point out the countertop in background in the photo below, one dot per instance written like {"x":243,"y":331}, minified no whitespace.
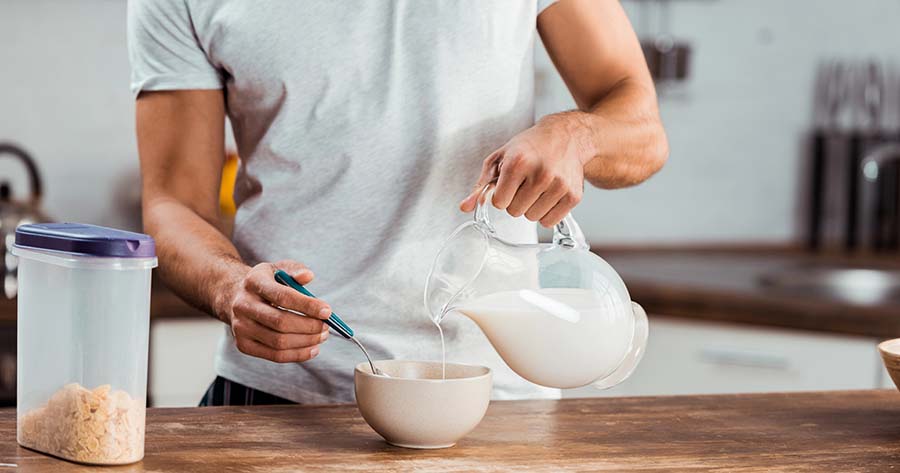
{"x":164,"y":304}
{"x":713,"y":283}
{"x":723,"y":284}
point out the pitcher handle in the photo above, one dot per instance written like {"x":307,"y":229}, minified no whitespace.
{"x":481,"y":209}
{"x":635,"y":351}
{"x":566,"y":233}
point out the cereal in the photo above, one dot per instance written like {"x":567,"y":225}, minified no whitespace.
{"x":89,"y":426}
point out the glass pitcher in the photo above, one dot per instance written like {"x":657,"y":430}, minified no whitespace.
{"x":559,"y":315}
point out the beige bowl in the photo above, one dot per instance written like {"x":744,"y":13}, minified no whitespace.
{"x":890,"y":354}
{"x":415,"y":408}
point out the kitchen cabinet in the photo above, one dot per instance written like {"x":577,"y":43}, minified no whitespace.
{"x":697,"y":357}
{"x":7,"y":365}
{"x":683,"y":357}
{"x":181,"y":360}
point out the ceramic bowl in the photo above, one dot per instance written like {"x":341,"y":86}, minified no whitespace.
{"x":890,"y":354}
{"x":414,"y":408}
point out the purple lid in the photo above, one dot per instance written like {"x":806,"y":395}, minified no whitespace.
{"x":84,"y":239}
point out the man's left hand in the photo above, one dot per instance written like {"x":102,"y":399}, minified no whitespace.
{"x":541,"y":171}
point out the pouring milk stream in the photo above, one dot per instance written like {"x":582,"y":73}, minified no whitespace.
{"x":559,"y":315}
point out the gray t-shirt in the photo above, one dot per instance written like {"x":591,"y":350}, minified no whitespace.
{"x":360,"y":125}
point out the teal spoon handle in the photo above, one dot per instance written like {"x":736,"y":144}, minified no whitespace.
{"x":334,"y":321}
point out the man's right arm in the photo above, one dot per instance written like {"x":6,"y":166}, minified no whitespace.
{"x":181,"y":146}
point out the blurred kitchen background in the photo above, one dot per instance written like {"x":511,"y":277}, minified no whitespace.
{"x":765,"y":255}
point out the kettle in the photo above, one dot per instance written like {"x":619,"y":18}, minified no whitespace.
{"x":559,"y":315}
{"x":15,"y":212}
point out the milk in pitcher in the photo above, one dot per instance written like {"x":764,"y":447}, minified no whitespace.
{"x":561,"y":338}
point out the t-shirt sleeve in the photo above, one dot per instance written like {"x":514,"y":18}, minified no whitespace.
{"x":163,"y":48}
{"x":543,"y":4}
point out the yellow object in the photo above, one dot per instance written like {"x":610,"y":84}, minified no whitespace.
{"x":226,"y":190}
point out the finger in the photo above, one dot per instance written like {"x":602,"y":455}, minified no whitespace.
{"x":251,"y":347}
{"x":512,"y":174}
{"x":488,"y":173}
{"x":544,"y":203}
{"x":297,"y":270}
{"x":559,"y":211}
{"x":261,"y":311}
{"x":249,"y":328}
{"x":468,"y":204}
{"x":526,"y":195}
{"x":264,"y":285}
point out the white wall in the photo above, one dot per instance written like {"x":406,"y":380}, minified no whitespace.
{"x":64,"y":97}
{"x":182,"y":354}
{"x":735,"y":131}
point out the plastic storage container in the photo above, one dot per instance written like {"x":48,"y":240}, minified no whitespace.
{"x":83,"y":330}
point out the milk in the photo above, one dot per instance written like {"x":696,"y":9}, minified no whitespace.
{"x":562,"y":338}
{"x":443,"y":350}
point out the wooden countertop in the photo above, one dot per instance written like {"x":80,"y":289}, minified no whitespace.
{"x":724,"y":285}
{"x":815,"y":432}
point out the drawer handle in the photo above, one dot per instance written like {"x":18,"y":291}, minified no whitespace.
{"x":719,"y":356}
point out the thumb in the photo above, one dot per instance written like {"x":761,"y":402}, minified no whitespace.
{"x":488,"y":173}
{"x":468,"y":204}
{"x":297,"y":270}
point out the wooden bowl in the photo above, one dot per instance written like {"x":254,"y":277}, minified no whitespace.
{"x":890,"y":354}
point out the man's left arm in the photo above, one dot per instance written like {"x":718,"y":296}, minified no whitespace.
{"x":614,"y":139}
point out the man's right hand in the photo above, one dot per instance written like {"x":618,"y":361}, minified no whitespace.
{"x":261,"y":329}
{"x":197,"y":258}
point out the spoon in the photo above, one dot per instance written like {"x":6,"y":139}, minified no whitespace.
{"x":333,"y":321}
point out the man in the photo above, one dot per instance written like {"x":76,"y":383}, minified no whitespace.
{"x":360,"y":125}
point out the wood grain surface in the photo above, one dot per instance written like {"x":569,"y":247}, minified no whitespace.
{"x":798,"y":432}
